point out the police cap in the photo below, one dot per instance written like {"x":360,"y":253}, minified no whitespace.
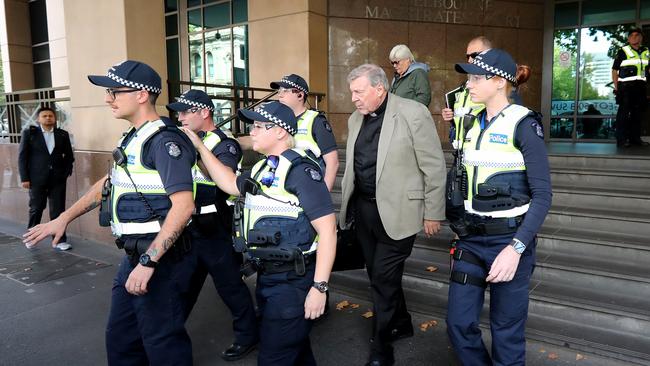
{"x":274,"y":112}
{"x":132,"y":74}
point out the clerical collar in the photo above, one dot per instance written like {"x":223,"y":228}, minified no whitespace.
{"x":381,"y":109}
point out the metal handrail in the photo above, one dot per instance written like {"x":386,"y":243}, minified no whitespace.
{"x":241,"y":96}
{"x":234,"y":116}
{"x":12,"y":102}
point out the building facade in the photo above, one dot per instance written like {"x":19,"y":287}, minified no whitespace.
{"x":223,"y":44}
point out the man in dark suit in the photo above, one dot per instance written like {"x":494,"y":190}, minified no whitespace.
{"x":45,"y":161}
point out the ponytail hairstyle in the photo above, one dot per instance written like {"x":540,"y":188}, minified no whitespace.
{"x":523,"y":74}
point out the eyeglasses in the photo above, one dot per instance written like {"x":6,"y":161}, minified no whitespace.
{"x":472,"y":55}
{"x":188,"y":111}
{"x":267,"y":126}
{"x":477,"y":78}
{"x":269,"y":176}
{"x":282,"y":90}
{"x":394,"y":63}
{"x":112,"y":92}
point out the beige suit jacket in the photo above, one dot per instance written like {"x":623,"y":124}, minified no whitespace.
{"x":410,"y":174}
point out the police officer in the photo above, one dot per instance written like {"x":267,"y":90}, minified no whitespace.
{"x":148,"y":201}
{"x":287,"y":217}
{"x":508,"y":196}
{"x":629,"y":78}
{"x":211,"y":225}
{"x":314,"y":132}
{"x":462,"y":102}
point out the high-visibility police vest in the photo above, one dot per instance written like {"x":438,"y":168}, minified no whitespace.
{"x":130,"y":215}
{"x":491,"y":156}
{"x":635,"y":64}
{"x":207,"y":205}
{"x":304,"y":137}
{"x":462,"y":106}
{"x":277,"y":213}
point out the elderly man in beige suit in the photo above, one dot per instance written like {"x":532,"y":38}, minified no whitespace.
{"x":393,"y":187}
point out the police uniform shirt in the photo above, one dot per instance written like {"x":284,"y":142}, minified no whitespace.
{"x":322,"y":133}
{"x":529,"y":139}
{"x":305,"y":181}
{"x":173,"y":156}
{"x":365,"y":151}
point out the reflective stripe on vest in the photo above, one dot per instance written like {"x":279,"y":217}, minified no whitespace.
{"x":211,"y":140}
{"x":637,"y":60}
{"x":304,"y":137}
{"x":493,"y":151}
{"x":462,"y":106}
{"x":281,"y":205}
{"x":147,"y":181}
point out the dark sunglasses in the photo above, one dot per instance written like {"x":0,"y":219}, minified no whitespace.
{"x":472,"y":55}
{"x":269,"y":176}
{"x":394,"y":63}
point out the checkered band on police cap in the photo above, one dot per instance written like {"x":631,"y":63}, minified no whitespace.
{"x":193,"y":103}
{"x":494,"y":70}
{"x":293,"y":85}
{"x":275,"y":120}
{"x":132,"y":84}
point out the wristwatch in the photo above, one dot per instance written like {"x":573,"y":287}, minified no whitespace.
{"x":322,"y":286}
{"x":518,"y":246}
{"x":146,"y":261}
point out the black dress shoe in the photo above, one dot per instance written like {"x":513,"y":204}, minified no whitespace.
{"x":380,"y":363}
{"x":237,"y":351}
{"x":401,"y":332}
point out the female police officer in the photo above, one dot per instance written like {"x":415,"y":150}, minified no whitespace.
{"x":287,"y":206}
{"x":508,"y":196}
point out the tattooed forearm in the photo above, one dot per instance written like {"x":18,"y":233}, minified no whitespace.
{"x":91,"y":206}
{"x":167,"y":243}
{"x":153,"y":252}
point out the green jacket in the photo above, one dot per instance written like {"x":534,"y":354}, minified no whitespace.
{"x":414,"y":84}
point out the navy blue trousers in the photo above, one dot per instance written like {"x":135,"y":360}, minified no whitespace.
{"x":150,"y":329}
{"x":284,"y":331}
{"x":214,"y":254}
{"x":508,"y":306}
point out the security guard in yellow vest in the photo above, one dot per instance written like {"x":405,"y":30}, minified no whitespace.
{"x":629,"y":78}
{"x":287,"y":218}
{"x":314,"y":131}
{"x":507,"y":197}
{"x":211,"y":225}
{"x":147,"y":201}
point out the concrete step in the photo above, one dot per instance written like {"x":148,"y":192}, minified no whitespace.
{"x":604,"y":199}
{"x":615,"y":286}
{"x":599,"y":220}
{"x":600,"y":179}
{"x":550,"y":320}
{"x":618,"y":163}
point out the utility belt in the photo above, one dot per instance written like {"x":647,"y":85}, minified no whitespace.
{"x":135,"y":246}
{"x":478,"y":225}
{"x":269,"y":260}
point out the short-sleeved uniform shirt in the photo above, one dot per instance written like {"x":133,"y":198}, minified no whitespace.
{"x":312,"y":193}
{"x":323,"y":134}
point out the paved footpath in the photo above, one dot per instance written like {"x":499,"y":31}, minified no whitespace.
{"x":53,"y":309}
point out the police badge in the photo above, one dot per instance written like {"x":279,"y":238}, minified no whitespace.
{"x":173,"y":150}
{"x":314,"y":174}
